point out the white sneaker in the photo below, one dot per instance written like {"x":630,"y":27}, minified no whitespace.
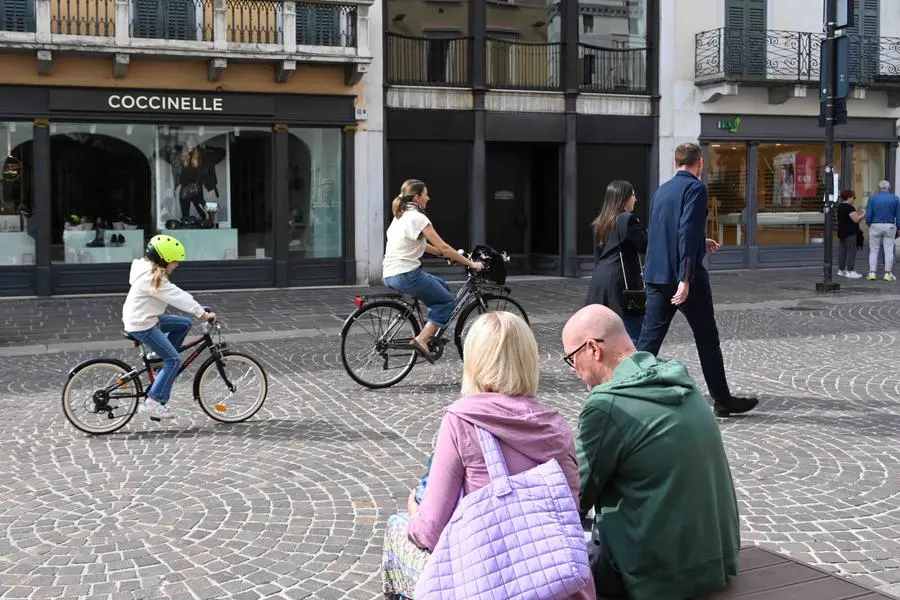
{"x":842,"y":273}
{"x":852,"y":274}
{"x":155,"y":410}
{"x":152,"y":356}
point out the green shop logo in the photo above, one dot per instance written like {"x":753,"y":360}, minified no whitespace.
{"x":731,"y":125}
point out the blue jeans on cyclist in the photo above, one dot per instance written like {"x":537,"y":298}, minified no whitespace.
{"x":432,"y":291}
{"x":165,"y":339}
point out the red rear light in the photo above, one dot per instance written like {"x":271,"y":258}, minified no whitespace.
{"x":358,"y":301}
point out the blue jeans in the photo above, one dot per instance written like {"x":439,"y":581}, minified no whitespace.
{"x":432,"y":291}
{"x":165,"y":339}
{"x":633,"y":324}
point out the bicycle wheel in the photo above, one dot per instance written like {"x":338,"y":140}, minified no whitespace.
{"x":493,"y":303}
{"x":97,"y":399}
{"x":248,"y":391}
{"x":381,"y":331}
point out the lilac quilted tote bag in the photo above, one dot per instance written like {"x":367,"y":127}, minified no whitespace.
{"x":518,"y":538}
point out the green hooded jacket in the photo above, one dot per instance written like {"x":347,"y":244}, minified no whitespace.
{"x":653,"y":466}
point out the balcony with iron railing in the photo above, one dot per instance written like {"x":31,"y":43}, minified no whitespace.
{"x":511,"y":65}
{"x":306,"y":30}
{"x":774,"y":57}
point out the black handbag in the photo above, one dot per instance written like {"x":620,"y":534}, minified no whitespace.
{"x":633,"y":301}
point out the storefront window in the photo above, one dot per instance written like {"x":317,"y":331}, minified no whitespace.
{"x":114,"y":186}
{"x":790,"y":191}
{"x":727,"y":182}
{"x":868,"y":170}
{"x":315,"y":193}
{"x":17,"y":229}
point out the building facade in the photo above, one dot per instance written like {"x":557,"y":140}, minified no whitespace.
{"x":238,"y":126}
{"x":742,"y":76}
{"x":517,"y":114}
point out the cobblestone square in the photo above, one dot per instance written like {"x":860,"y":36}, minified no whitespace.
{"x":292,"y":504}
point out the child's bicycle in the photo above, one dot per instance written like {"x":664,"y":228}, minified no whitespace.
{"x":102,"y":394}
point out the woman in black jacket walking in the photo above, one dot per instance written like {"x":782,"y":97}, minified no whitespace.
{"x":617,"y":281}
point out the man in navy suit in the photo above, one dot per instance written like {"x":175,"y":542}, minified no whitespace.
{"x":676,"y":279}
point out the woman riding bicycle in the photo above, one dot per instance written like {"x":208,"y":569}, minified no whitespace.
{"x":144,"y":318}
{"x":409,"y":236}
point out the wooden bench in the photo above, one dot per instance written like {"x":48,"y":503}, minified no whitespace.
{"x":766,"y":575}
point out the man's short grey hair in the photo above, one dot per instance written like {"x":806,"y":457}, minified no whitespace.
{"x":884,"y":185}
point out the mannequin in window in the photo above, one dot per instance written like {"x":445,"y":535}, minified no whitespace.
{"x":194,"y":169}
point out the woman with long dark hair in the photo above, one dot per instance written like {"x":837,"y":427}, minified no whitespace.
{"x":618,"y":281}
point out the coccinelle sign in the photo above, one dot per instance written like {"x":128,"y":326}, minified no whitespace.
{"x":165,"y":103}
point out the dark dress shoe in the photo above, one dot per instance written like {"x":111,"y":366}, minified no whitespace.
{"x":734,"y":406}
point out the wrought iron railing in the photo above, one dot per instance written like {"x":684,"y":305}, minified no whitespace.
{"x":522,"y":66}
{"x":326,"y":24}
{"x":792,"y":56}
{"x":172,"y":19}
{"x":254,"y":21}
{"x":427,"y":61}
{"x":83,"y":17}
{"x":612,"y":70}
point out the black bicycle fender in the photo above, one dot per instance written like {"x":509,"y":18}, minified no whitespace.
{"x":349,"y":320}
{"x":103,"y":359}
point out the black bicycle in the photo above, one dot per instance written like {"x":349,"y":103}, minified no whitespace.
{"x":102,"y":394}
{"x":378,"y":333}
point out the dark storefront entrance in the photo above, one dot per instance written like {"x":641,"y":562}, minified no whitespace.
{"x":99,"y":171}
{"x":522,"y":195}
{"x":765,"y":178}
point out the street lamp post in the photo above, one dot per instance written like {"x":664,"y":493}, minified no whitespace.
{"x":829,"y":77}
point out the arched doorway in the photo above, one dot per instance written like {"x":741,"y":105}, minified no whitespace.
{"x":97,"y":176}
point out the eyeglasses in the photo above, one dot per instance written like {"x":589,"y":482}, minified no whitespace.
{"x":569,"y":358}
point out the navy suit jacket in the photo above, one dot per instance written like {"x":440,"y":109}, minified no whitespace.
{"x":677,"y":242}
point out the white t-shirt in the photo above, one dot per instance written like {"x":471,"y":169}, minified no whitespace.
{"x":405,"y":243}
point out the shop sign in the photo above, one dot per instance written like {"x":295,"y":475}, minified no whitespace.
{"x":165,"y":103}
{"x":11,"y":170}
{"x":731,"y":125}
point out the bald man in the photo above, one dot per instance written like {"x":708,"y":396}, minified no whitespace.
{"x":653,"y":467}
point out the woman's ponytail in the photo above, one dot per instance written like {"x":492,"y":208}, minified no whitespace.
{"x":397,"y":207}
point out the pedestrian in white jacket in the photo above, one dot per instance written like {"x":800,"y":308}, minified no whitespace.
{"x":144,"y":318}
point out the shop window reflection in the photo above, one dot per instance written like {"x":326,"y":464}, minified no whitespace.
{"x":727,"y":183}
{"x":315,"y":193}
{"x":17,"y":227}
{"x":868,"y":170}
{"x":790,"y":191}
{"x":115,"y":185}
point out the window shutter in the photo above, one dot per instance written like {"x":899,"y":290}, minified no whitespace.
{"x":180,"y":19}
{"x":318,"y":25}
{"x":146,"y":18}
{"x":864,"y":35}
{"x":17,"y":15}
{"x":745,"y":38}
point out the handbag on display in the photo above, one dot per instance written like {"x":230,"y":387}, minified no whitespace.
{"x":634,"y":301}
{"x":518,"y":537}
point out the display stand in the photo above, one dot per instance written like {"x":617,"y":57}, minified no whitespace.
{"x":76,"y":247}
{"x":16,"y":248}
{"x":207,"y":244}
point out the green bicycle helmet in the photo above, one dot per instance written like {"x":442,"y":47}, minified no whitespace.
{"x":164,"y":249}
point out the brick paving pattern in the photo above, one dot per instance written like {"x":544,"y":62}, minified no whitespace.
{"x":292,"y":503}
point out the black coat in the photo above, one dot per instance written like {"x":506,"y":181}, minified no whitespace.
{"x":608,"y":281}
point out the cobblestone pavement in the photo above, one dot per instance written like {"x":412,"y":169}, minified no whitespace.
{"x":38,"y":325}
{"x":292,"y":503}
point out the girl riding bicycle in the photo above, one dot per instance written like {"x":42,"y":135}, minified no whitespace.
{"x":144,"y":318}
{"x":409,"y":236}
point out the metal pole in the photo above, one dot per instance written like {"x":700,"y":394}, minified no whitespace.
{"x":830,"y":91}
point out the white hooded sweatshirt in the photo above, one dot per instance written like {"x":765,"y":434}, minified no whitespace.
{"x":143,"y":306}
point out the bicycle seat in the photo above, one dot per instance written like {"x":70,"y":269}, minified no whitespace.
{"x":128,"y":336}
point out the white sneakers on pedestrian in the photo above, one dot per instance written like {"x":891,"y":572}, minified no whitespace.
{"x":155,"y":410}
{"x":850,"y":274}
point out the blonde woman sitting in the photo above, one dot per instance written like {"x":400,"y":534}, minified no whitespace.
{"x":500,"y":381}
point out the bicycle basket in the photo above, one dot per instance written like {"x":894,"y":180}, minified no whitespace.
{"x":495,"y":265}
